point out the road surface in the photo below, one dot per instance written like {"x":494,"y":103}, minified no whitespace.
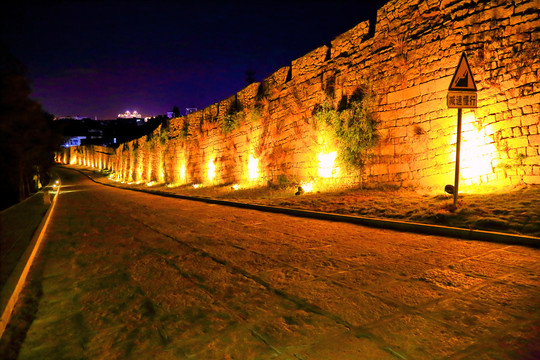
{"x":132,"y":275}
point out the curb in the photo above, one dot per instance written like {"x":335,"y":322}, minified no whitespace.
{"x":427,"y":229}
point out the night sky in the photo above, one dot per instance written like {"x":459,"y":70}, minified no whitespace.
{"x":101,"y":58}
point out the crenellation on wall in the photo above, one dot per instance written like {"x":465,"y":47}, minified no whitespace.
{"x":278,"y":78}
{"x":346,"y":43}
{"x":247,"y":95}
{"x":309,"y":64}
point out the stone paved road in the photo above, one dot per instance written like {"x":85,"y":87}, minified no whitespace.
{"x":132,"y":275}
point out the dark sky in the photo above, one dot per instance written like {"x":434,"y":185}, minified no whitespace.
{"x":100,"y":58}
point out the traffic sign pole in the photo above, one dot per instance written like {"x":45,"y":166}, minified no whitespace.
{"x":461,"y":95}
{"x":458,"y":155}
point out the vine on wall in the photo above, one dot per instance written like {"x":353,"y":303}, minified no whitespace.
{"x":184,"y":132}
{"x":234,"y":116}
{"x":352,"y":124}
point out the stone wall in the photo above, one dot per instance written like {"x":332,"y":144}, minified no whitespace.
{"x":406,"y":65}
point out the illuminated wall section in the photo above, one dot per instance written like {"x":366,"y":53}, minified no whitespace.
{"x":407,"y":65}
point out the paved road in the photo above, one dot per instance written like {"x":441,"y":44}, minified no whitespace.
{"x":132,"y":275}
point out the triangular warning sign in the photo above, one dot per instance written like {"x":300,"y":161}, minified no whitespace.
{"x":463,"y":78}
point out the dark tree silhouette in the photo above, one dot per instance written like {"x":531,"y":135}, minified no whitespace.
{"x":27,"y":139}
{"x":176,"y":111}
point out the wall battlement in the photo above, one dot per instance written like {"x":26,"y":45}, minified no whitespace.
{"x":406,"y":64}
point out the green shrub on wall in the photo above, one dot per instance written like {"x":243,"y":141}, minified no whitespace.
{"x":254,"y":115}
{"x":234,"y":116}
{"x":164,"y":133}
{"x":184,"y":132}
{"x":352,"y":124}
{"x":150,"y":142}
{"x":232,"y":121}
{"x":134,"y":149}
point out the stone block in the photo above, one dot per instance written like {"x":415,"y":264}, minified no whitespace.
{"x":386,"y":150}
{"x":398,"y":168}
{"x":430,"y":106}
{"x":527,"y":109}
{"x":530,"y":119}
{"x":389,"y":115}
{"x":534,"y":140}
{"x":406,"y":112}
{"x":531,"y":179}
{"x":435,"y":85}
{"x":420,"y":164}
{"x":402,"y":149}
{"x":499,"y":116}
{"x":506,"y":133}
{"x":399,"y":131}
{"x":506,"y":123}
{"x":395,"y":96}
{"x":378,"y":169}
{"x":532,"y":160}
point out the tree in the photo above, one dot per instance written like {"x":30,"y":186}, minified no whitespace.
{"x":176,"y":111}
{"x":27,"y":139}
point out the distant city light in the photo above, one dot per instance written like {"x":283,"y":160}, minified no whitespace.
{"x":130,"y":115}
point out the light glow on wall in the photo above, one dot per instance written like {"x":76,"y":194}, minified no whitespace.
{"x":160,"y":168}
{"x":478,"y":153}
{"x":327,"y":167}
{"x":211,"y":170}
{"x":307,"y":186}
{"x":183,"y":172}
{"x":253,"y":168}
{"x":161,"y":174}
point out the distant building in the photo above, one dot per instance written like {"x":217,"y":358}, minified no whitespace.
{"x":73,"y":141}
{"x":130,"y":115}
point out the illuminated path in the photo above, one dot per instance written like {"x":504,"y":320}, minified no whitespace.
{"x":133,"y":275}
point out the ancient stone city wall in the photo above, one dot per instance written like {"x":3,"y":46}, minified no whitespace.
{"x":405,"y":65}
